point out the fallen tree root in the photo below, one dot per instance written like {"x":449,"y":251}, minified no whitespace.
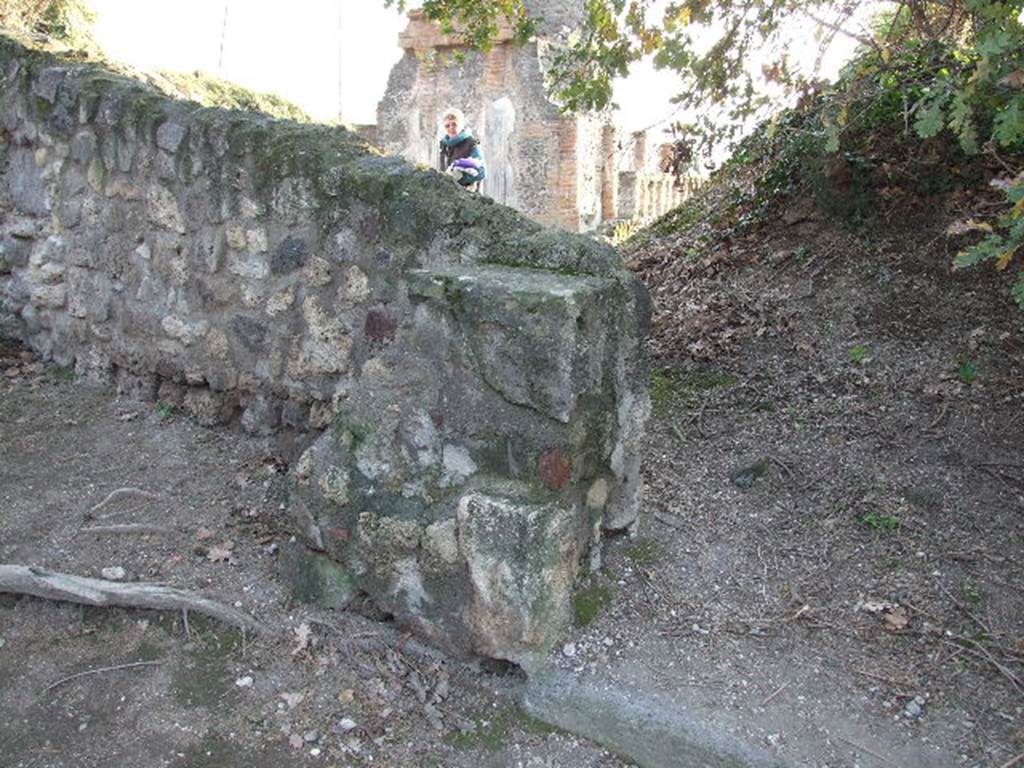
{"x":25,"y":580}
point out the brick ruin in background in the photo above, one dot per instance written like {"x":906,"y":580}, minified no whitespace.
{"x":577,"y":172}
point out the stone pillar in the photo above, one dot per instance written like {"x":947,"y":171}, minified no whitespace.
{"x":640,"y":151}
{"x":499,"y":125}
{"x":627,"y":189}
{"x":609,"y":174}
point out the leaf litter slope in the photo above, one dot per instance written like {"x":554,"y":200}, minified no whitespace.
{"x":831,"y":551}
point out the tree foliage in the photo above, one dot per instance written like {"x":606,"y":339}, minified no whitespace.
{"x":947,"y":67}
{"x":476,"y":21}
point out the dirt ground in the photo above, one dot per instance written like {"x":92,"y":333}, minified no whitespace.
{"x":835,"y":519}
{"x":324,"y":689}
{"x":829,"y":565}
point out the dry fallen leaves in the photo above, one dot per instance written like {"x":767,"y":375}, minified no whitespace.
{"x":894,"y":616}
{"x":1013,"y":80}
{"x":221,"y":553}
{"x":896,"y":619}
{"x":967,"y":225}
{"x":304,"y":638}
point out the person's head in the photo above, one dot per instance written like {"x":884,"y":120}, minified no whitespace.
{"x":454,"y":121}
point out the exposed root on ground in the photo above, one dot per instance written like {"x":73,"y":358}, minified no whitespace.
{"x":49,"y":585}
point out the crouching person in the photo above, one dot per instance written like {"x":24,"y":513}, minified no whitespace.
{"x":460,"y":152}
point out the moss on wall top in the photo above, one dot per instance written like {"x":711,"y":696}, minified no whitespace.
{"x":421,"y":211}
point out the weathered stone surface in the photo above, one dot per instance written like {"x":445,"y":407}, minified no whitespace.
{"x":83,"y":146}
{"x":25,"y":183}
{"x":380,"y":324}
{"x":522,"y":560}
{"x":208,"y":408}
{"x":473,"y":374}
{"x":170,"y":135}
{"x":184,"y":331}
{"x":45,"y":86}
{"x":290,"y":254}
{"x":315,"y":578}
{"x":536,"y":337}
{"x":163,"y":209}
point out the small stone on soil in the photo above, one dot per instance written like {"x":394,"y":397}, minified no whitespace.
{"x":114,"y":573}
{"x":914,"y":708}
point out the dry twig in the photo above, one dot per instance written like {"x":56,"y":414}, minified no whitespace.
{"x":127,"y":529}
{"x":867,"y":751}
{"x":118,"y":493}
{"x":938,"y":419}
{"x":778,"y":690}
{"x":100,"y":670}
{"x":963,"y":609}
{"x":975,"y":648}
{"x":890,"y":680}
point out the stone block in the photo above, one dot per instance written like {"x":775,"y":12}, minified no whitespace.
{"x":83,"y":146}
{"x":163,"y":209}
{"x":534,"y":336}
{"x":48,"y":296}
{"x":170,"y":135}
{"x":314,"y":578}
{"x":29,"y":191}
{"x":522,"y":560}
{"x":290,"y":254}
{"x":208,"y":408}
{"x":47,"y":82}
{"x":260,"y":417}
{"x":186,"y":331}
{"x":248,"y":264}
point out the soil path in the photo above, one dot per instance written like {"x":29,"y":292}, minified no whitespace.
{"x":320,"y":689}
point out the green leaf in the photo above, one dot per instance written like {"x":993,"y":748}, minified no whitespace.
{"x":930,"y":120}
{"x":962,"y":123}
{"x":995,"y":44}
{"x":1009,"y":123}
{"x":1018,"y":291}
{"x":989,"y":248}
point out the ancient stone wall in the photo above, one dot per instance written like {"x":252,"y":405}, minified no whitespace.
{"x":476,"y":373}
{"x":644,"y":189}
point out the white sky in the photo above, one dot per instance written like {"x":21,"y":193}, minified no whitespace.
{"x":291,"y":49}
{"x":299,"y":49}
